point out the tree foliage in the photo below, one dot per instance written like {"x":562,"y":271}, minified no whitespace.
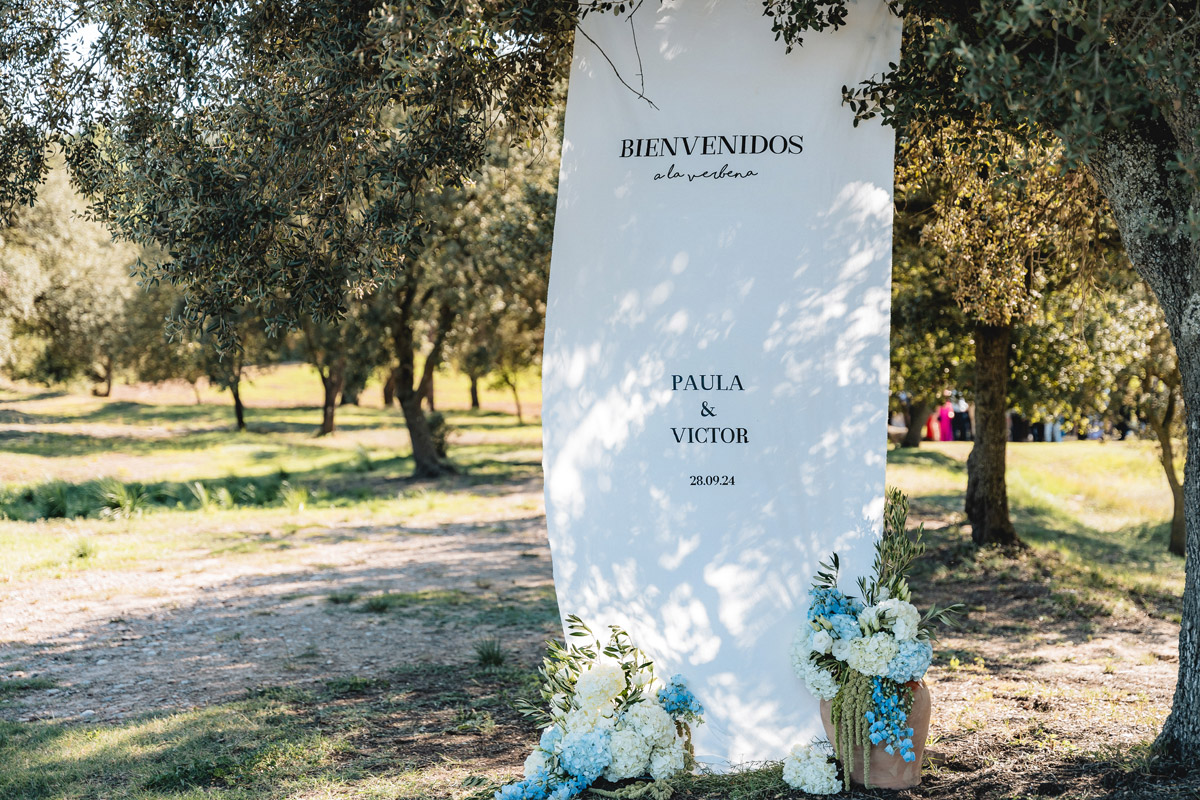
{"x":64,"y":290}
{"x":278,"y":152}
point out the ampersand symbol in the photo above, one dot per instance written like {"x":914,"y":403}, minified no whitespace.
{"x":706,"y":410}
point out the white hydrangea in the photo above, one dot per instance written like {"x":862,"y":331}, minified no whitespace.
{"x":801,"y":647}
{"x":870,"y":654}
{"x":820,"y":682}
{"x":821,"y":642}
{"x":537,"y":760}
{"x":667,"y":759}
{"x":640,"y":729}
{"x":630,"y":755}
{"x":906,"y":617}
{"x":586,"y":719}
{"x":809,"y":769}
{"x":599,"y":684}
{"x":650,"y":720}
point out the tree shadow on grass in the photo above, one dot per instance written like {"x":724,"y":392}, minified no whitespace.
{"x":915,"y":456}
{"x":276,"y":740}
{"x":445,"y":588}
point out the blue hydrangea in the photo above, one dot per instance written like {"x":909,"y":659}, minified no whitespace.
{"x":678,"y":701}
{"x":829,"y":603}
{"x":889,"y":721}
{"x":585,"y":754}
{"x":845,"y":626}
{"x":535,"y":787}
{"x":568,"y":789}
{"x":550,"y":737}
{"x":912,"y":662}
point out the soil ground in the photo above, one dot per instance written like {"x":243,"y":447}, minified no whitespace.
{"x":364,"y":635}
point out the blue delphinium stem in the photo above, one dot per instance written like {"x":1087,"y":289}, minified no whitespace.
{"x":889,"y":720}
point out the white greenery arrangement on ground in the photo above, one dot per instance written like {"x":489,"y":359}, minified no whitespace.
{"x":866,"y":654}
{"x":606,"y":717}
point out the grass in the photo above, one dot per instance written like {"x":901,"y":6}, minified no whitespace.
{"x":89,"y":484}
{"x":281,"y":743}
{"x":1096,"y":515}
{"x":13,"y":686}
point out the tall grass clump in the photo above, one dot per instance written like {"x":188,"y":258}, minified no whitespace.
{"x":294,"y":497}
{"x":60,"y":500}
{"x":117,"y":500}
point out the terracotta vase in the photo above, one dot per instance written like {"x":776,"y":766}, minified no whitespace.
{"x":891,"y":771}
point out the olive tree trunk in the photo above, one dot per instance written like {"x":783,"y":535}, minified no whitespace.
{"x":918,"y":414}
{"x":987,"y":490}
{"x":474,"y":393}
{"x":446,"y":316}
{"x":239,"y":409}
{"x":426,"y":462}
{"x":1132,"y":167}
{"x":332,"y":379}
{"x":1162,"y":427}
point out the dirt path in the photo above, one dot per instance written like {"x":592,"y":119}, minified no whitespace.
{"x":203,"y":629}
{"x":200,"y":629}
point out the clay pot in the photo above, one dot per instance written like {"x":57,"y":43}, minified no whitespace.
{"x":891,"y":771}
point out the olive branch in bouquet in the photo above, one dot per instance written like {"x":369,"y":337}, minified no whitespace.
{"x":894,"y":556}
{"x":565,"y":662}
{"x":895,"y":553}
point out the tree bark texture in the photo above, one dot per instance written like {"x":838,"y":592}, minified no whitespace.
{"x":512,"y":384}
{"x":426,"y":390}
{"x":426,"y":463}
{"x":987,"y":490}
{"x":389,"y":388}
{"x":239,"y":410}
{"x":333,"y":380}
{"x":474,"y":393}
{"x":1166,"y":452}
{"x":919,"y":414}
{"x":1151,"y":204}
{"x":445,"y":320}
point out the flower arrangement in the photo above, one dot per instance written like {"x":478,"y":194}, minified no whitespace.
{"x":866,"y":654}
{"x":606,"y":717}
{"x":812,"y":769}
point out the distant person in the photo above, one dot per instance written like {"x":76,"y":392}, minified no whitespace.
{"x":962,"y":419}
{"x":945,"y":422}
{"x":931,"y":428}
{"x":1122,"y":426}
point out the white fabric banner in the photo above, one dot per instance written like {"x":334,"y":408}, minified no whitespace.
{"x":716,"y":359}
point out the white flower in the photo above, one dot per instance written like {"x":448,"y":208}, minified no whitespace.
{"x":599,"y":684}
{"x":581,"y":720}
{"x":667,"y":760}
{"x":639,"y":731}
{"x":630,"y":755}
{"x":820,"y":682}
{"x":868,"y":619}
{"x":870,"y":655}
{"x":821,"y":642}
{"x":905,"y":618}
{"x":809,"y":769}
{"x":650,"y":720}
{"x":801,"y":647}
{"x":538,"y":759}
{"x":841,"y":648}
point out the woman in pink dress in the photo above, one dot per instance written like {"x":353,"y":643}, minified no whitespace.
{"x":946,"y":427}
